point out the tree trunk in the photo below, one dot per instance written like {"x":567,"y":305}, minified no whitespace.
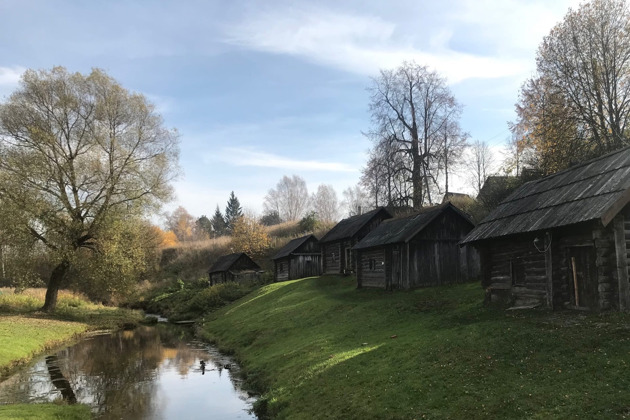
{"x":54,"y":283}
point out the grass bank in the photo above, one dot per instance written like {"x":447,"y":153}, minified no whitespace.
{"x":25,"y":332}
{"x":44,"y":411}
{"x":319,"y":348}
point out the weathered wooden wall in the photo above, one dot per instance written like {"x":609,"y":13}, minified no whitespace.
{"x":281,"y":266}
{"x":371,"y":274}
{"x":584,"y":255}
{"x":331,"y":258}
{"x":301,"y":266}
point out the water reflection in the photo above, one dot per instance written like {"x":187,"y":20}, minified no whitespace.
{"x":60,"y":381}
{"x":148,"y":373}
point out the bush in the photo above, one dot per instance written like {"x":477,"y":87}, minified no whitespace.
{"x":309,"y":222}
{"x":180,"y":301}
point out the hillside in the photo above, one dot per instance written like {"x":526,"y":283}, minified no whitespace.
{"x":319,"y":348}
{"x":191,"y":260}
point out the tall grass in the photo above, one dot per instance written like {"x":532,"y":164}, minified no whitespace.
{"x":71,"y":306}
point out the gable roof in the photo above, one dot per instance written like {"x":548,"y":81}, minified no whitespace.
{"x":226,"y":262}
{"x":292,"y":246}
{"x":349,"y":227}
{"x":394,"y":231}
{"x":596,"y":189}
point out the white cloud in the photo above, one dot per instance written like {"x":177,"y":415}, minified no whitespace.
{"x":359,"y":44}
{"x":10,"y":76}
{"x":9,"y":79}
{"x":251,"y":157}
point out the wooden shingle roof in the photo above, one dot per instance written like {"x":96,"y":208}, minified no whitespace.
{"x":293,"y":245}
{"x":349,"y":227}
{"x":226,"y":262}
{"x":596,"y":189}
{"x":401,"y":230}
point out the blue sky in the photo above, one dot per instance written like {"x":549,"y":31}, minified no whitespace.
{"x":262,"y":89}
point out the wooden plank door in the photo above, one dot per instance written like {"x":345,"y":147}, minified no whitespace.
{"x":583,"y":277}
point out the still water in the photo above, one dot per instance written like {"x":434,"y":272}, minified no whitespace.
{"x":147,"y":373}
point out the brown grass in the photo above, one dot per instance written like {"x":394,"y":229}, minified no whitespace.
{"x":40,"y":293}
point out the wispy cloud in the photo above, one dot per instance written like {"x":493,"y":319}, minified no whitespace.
{"x":251,"y":157}
{"x":359,"y":44}
{"x":10,"y":76}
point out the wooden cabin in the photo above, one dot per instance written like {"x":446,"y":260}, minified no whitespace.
{"x":298,"y":259}
{"x":563,"y":240}
{"x":417,"y":251}
{"x":234,"y":267}
{"x":336,"y":245}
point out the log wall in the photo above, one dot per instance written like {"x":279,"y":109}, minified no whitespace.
{"x":371,"y":268}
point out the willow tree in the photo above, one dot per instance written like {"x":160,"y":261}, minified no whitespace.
{"x":75,"y":151}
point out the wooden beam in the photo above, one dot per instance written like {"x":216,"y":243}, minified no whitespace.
{"x":622,"y":263}
{"x":575,"y":283}
{"x":549,"y":270}
{"x":616,"y":207}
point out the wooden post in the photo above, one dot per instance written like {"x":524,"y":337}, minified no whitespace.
{"x":622,"y":263}
{"x":575,"y":283}
{"x":549,"y":270}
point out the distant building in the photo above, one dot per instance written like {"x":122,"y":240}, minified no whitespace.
{"x":299,"y":258}
{"x":450,"y":196}
{"x":234,"y":267}
{"x":336,"y":245}
{"x":562,"y":240}
{"x":416,"y":251}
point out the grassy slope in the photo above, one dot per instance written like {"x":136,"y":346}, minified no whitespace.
{"x":24,"y":332}
{"x":24,"y":337}
{"x":322,"y":349}
{"x":44,"y":411}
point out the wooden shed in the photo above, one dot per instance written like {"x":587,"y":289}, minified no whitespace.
{"x":416,"y":251}
{"x":563,"y":240}
{"x":336,"y":245}
{"x":298,"y":259}
{"x":234,"y":267}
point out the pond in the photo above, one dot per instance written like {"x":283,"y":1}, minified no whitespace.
{"x":149,"y":373}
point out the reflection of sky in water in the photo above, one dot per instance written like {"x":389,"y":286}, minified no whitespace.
{"x":137,"y":375}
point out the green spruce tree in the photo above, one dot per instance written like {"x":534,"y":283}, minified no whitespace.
{"x":219,"y":226}
{"x":233,"y":212}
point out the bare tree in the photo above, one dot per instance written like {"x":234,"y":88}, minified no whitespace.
{"x":355,"y":200}
{"x":480,"y":164}
{"x":324,"y":203}
{"x":386,"y":177}
{"x":289,"y":199}
{"x":454,"y":143}
{"x":76,"y":152}
{"x":411,"y":106}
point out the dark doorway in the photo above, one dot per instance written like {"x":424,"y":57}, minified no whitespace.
{"x":583,"y":277}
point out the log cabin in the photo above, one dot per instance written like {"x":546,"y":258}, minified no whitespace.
{"x":236,"y":267}
{"x":417,"y":251}
{"x":336,"y":245}
{"x":561,"y":241}
{"x":298,"y":259}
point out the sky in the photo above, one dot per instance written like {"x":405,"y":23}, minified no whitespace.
{"x":262,"y":89}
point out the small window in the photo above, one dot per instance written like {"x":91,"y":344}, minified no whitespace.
{"x":333,"y":257}
{"x":372,"y":264}
{"x":281,"y":267}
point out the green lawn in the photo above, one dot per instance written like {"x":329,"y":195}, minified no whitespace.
{"x":25,"y":332}
{"x":23,"y":337}
{"x":44,"y":412}
{"x":319,"y":348}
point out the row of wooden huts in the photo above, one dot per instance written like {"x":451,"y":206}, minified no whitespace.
{"x":386,"y":252}
{"x":559,"y":241}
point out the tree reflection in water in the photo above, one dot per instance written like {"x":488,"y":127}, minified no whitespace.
{"x":122,"y":375}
